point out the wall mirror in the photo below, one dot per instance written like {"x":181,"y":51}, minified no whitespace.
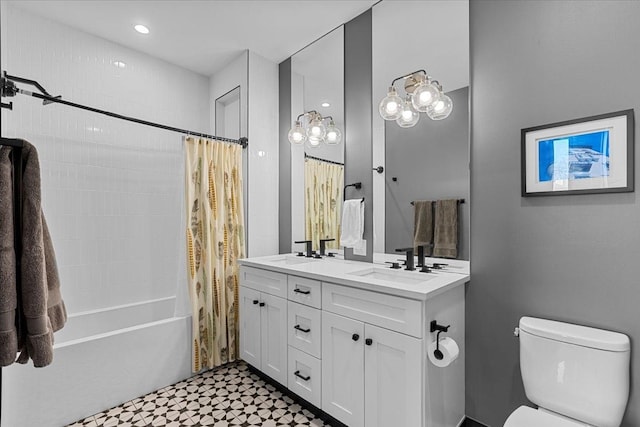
{"x":317,"y":157}
{"x":429,"y":161}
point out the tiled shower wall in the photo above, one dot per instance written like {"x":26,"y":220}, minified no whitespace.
{"x":112,"y":190}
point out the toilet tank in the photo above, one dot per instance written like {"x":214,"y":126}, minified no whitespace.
{"x":575,"y":371}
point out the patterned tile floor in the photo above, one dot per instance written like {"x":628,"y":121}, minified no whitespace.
{"x":231,"y":395}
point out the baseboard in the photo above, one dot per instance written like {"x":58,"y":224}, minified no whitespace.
{"x":470,"y":422}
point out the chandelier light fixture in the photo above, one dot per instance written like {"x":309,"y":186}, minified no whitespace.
{"x":310,"y":127}
{"x":423,"y":95}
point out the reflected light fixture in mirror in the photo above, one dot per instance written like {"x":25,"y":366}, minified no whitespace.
{"x":310,"y":127}
{"x":424,"y":95}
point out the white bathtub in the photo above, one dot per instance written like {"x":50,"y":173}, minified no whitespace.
{"x":102,"y":358}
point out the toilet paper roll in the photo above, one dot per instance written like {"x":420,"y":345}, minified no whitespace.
{"x":449,"y":349}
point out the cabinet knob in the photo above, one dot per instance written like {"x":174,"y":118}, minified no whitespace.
{"x":255,"y":301}
{"x":368,"y":341}
{"x":355,"y":337}
{"x":262,"y":304}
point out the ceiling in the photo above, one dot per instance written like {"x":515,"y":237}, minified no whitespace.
{"x":203,"y":35}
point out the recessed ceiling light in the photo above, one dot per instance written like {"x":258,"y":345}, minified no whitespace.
{"x":141,"y":29}
{"x":119,"y":64}
{"x":326,"y":104}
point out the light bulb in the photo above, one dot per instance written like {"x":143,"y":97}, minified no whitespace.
{"x":314,"y":141}
{"x":441,"y":108}
{"x":409,"y":116}
{"x":297,"y":134}
{"x":390,"y":107}
{"x":425,"y":95}
{"x":334,"y":136}
{"x":316,"y":130}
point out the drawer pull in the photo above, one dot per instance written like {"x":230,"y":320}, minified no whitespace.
{"x":297,"y":374}
{"x":368,"y":341}
{"x":262,"y":304}
{"x":306,"y":331}
{"x":255,"y":301}
{"x":355,"y":337}
{"x":300,"y":291}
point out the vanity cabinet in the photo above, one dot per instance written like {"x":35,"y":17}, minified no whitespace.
{"x":263,"y":321}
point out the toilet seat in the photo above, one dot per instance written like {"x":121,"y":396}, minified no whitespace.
{"x":525,"y":416}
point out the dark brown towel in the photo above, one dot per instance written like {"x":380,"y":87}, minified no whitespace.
{"x":446,"y":229}
{"x":42,"y":305}
{"x":423,"y":225}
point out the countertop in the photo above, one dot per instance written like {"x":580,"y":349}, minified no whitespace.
{"x":376,"y":276}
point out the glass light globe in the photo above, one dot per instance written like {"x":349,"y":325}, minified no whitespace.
{"x":409,"y":116}
{"x":390,"y":107}
{"x":316,"y":130}
{"x":334,"y":136}
{"x":424,"y":95}
{"x":441,"y":108}
{"x":314,"y":142}
{"x":297,"y":134}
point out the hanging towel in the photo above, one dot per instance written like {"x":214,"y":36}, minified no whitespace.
{"x":352,"y":223}
{"x":446,"y":229}
{"x":42,"y":307}
{"x":423,"y":225}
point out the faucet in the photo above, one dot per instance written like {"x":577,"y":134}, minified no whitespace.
{"x":409,"y":262}
{"x":323,"y":245}
{"x":308,"y":244}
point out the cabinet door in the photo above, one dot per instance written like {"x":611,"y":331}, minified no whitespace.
{"x":343,"y":369}
{"x":273,"y":325}
{"x":250,"y":326}
{"x":393,"y":376}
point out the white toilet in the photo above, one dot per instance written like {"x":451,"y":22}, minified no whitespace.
{"x":578,"y":376}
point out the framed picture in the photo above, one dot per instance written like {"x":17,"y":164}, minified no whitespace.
{"x":583,"y":156}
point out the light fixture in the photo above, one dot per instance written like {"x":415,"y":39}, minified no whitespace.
{"x":141,"y":29}
{"x":325,"y":105}
{"x":309,"y":127}
{"x":424,"y":95}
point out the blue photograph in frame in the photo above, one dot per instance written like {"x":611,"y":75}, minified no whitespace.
{"x":574,"y":156}
{"x":590,"y":155}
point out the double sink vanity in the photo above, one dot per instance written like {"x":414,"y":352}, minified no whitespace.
{"x":352,"y":338}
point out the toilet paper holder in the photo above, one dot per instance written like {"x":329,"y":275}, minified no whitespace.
{"x":440,"y":328}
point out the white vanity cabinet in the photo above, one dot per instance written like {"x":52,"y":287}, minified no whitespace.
{"x":370,"y":375}
{"x":263,"y":321}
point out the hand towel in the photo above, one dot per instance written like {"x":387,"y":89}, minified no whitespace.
{"x":352,"y":223}
{"x":446,"y":229}
{"x":423,"y":225}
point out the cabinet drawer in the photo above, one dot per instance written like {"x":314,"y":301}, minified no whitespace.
{"x":305,"y":291}
{"x":264,"y":281}
{"x":390,"y":312}
{"x":305,"y":376}
{"x":304,"y":328}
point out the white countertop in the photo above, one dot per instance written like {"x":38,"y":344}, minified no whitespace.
{"x":376,"y":276}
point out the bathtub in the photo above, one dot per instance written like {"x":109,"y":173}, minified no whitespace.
{"x":102,"y":358}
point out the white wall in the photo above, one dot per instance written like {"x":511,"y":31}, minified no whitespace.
{"x":112,"y":190}
{"x":262,"y":207}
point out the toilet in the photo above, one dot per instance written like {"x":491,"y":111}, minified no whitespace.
{"x":576,"y":375}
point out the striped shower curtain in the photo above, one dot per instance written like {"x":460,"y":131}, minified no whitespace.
{"x":215,"y":241}
{"x":323,"y":184}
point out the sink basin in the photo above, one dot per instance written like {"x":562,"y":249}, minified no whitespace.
{"x":389,"y":275}
{"x":290,"y":260}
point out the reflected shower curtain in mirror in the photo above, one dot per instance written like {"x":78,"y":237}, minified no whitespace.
{"x":323,"y":184}
{"x":215,"y":241}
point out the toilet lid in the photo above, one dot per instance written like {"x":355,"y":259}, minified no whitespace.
{"x":525,"y":416}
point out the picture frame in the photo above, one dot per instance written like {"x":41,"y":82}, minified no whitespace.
{"x":590,"y":155}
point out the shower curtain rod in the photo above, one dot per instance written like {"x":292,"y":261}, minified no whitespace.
{"x":9,"y":88}
{"x":306,"y":156}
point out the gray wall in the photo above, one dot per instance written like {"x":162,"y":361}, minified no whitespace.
{"x":357,"y":117}
{"x":570,"y":258}
{"x":431,"y":162}
{"x":284,"y":172}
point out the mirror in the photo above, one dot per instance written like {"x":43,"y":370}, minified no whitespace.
{"x":317,"y":169}
{"x":429,"y":161}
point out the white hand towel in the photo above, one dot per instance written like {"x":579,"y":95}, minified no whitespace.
{"x":352,"y":223}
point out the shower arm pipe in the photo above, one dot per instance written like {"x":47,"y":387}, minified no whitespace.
{"x":10,"y":89}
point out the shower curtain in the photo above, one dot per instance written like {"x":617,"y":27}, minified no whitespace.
{"x":323,"y":183}
{"x":215,"y":241}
